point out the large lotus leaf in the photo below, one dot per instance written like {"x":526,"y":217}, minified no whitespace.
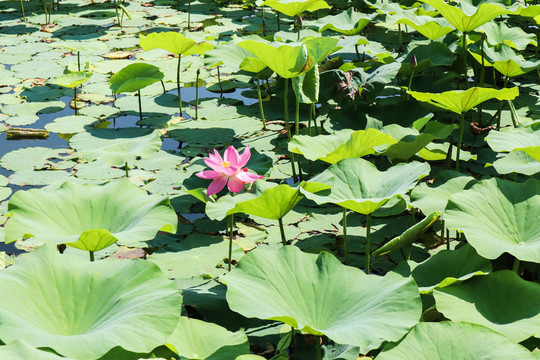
{"x":89,"y":212}
{"x":463,"y":101}
{"x":286,"y":60}
{"x":306,"y":86}
{"x":73,"y":79}
{"x":29,"y":158}
{"x":497,"y":215}
{"x":409,"y":236}
{"x":339,"y":145}
{"x":532,"y":151}
{"x":117,"y":146}
{"x":356,"y":184}
{"x":445,"y":268}
{"x":348,"y":22}
{"x":373,"y":81}
{"x":515,"y":37}
{"x":319,"y":48}
{"x":135,"y":77}
{"x":501,"y":301}
{"x":410,"y":141}
{"x":171,"y":41}
{"x":434,"y":198}
{"x":518,"y":162}
{"x":515,"y":138}
{"x":295,"y":7}
{"x":426,"y":55}
{"x":196,"y":339}
{"x":82,"y":309}
{"x":323,"y":296}
{"x":229,"y":55}
{"x":505,"y":60}
{"x":252,"y":64}
{"x":266,"y":202}
{"x":468,"y":17}
{"x":454,"y":340}
{"x":196,"y":256}
{"x":19,"y":350}
{"x":432,"y":28}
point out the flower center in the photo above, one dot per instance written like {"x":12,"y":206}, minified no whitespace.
{"x":226,"y":164}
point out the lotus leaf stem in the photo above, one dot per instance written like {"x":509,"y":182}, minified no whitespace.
{"x":368,"y":243}
{"x":501,"y":105}
{"x":127,"y":169}
{"x":458,"y":149}
{"x":465,"y":59}
{"x":443,"y":225}
{"x":219,"y":80}
{"x":400,"y":36}
{"x":287,"y":125}
{"x":197,"y":95}
{"x":297,"y":118}
{"x":22,"y":10}
{"x":78,"y":61}
{"x":140,"y":104}
{"x":278,"y":25}
{"x":189,"y":16}
{"x":231,"y":225}
{"x":282,"y":232}
{"x":163,"y":86}
{"x":178,"y":84}
{"x":515,"y":268}
{"x":260,"y":101}
{"x":413,"y":211}
{"x":309,"y":119}
{"x":345,"y":247}
{"x":315,"y":118}
{"x":75,"y":99}
{"x":263,"y":21}
{"x":318,"y":347}
{"x":91,"y":256}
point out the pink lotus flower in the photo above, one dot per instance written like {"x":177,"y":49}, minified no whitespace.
{"x":228,"y":169}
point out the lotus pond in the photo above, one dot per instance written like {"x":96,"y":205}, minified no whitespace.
{"x":279,"y":179}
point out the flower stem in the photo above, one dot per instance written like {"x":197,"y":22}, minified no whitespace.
{"x":260,"y":101}
{"x":345,"y":248}
{"x":282,"y":232}
{"x":458,"y":148}
{"x":368,"y":243}
{"x":178,"y":83}
{"x":231,"y":225}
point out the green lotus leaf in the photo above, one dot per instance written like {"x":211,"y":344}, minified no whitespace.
{"x":504,"y":60}
{"x":427,"y":55}
{"x":229,"y":55}
{"x":306,"y":86}
{"x":339,"y":145}
{"x":439,"y":151}
{"x":82,"y":214}
{"x":134,"y":77}
{"x":518,"y":162}
{"x":515,"y":138}
{"x":117,"y":146}
{"x":19,"y":350}
{"x":70,"y":124}
{"x":252,"y":64}
{"x":434,"y":198}
{"x":266,"y":201}
{"x":29,"y":158}
{"x":81,"y":309}
{"x":319,"y":48}
{"x":445,"y":268}
{"x":372,"y":82}
{"x":356,"y":184}
{"x":171,"y":41}
{"x":196,"y":256}
{"x":468,"y":17}
{"x":432,"y":28}
{"x":496,"y":216}
{"x":409,"y":236}
{"x":73,"y":79}
{"x":453,"y":340}
{"x":532,"y":151}
{"x":295,"y":7}
{"x":501,"y":301}
{"x":410,"y":141}
{"x":324,"y":297}
{"x":347,"y":22}
{"x":463,"y":101}
{"x":286,"y":60}
{"x":196,"y":339}
{"x":500,"y":33}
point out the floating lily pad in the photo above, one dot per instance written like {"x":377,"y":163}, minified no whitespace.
{"x":82,"y":310}
{"x":117,"y":146}
{"x":481,"y":299}
{"x":74,"y":210}
{"x":70,"y":124}
{"x":324,"y":298}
